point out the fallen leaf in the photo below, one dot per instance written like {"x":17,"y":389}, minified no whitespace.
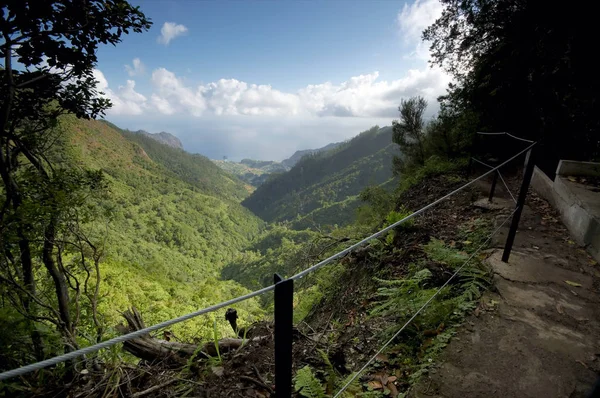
{"x":572,"y":179}
{"x":392,"y":379}
{"x":467,"y":242}
{"x":570,"y":242}
{"x":382,"y":358}
{"x":217,"y":370}
{"x":574,"y":284}
{"x":383,"y":379}
{"x":393,"y":390}
{"x":375,"y":385}
{"x":559,"y":309}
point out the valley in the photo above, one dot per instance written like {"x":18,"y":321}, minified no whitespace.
{"x":427,"y":250}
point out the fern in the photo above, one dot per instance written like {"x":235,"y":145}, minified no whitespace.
{"x":402,"y":296}
{"x":307,"y":384}
{"x":353,"y":389}
{"x":438,"y":251}
{"x":474,"y":281}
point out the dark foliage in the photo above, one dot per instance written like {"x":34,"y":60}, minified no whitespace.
{"x":523,"y":67}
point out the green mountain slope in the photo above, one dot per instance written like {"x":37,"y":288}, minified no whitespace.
{"x":295,"y":158}
{"x":322,"y":187}
{"x":195,"y":169}
{"x":172,"y":222}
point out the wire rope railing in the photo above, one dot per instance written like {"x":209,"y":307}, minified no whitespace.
{"x":283,"y":289}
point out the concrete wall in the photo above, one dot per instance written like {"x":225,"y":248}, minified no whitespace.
{"x":574,"y":168}
{"x":543,"y":185}
{"x":578,"y":206}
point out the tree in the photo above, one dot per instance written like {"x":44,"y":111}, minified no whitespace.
{"x":523,"y":67}
{"x":409,"y":133}
{"x":54,"y":44}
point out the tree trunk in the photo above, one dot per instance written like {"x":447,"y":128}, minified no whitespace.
{"x":152,"y":349}
{"x":60,"y":285}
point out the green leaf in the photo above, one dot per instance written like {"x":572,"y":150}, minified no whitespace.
{"x":307,"y":384}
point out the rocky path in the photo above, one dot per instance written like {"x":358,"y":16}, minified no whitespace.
{"x":538,"y":334}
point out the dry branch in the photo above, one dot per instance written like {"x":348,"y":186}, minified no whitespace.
{"x":152,"y":349}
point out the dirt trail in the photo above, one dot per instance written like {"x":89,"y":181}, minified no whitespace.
{"x":538,"y":335}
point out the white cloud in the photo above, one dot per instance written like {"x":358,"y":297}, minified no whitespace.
{"x":413,"y":20}
{"x":359,"y":96}
{"x":169,"y":31}
{"x":173,"y":96}
{"x":125,"y":100}
{"x":136,"y":68}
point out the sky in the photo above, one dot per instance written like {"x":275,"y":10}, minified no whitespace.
{"x":262,"y":79}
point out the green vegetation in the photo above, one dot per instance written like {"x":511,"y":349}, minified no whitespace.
{"x":169,"y":228}
{"x":195,"y":169}
{"x":515,"y":69}
{"x":96,"y":219}
{"x":320,"y":186}
{"x":307,"y":384}
{"x":49,"y":267}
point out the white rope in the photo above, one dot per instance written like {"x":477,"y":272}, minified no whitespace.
{"x":502,"y":178}
{"x":483,"y":133}
{"x":485,"y":164}
{"x":138,"y":333}
{"x":508,"y":134}
{"x":397,"y":223}
{"x":518,"y":138}
{"x":361,"y":370}
{"x":506,"y":186}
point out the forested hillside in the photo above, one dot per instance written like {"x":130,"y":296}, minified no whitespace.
{"x":195,"y":169}
{"x":163,"y":137}
{"x":295,"y":158}
{"x":171,"y":221}
{"x":322,"y":188}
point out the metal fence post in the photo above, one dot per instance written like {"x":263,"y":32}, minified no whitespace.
{"x":284,"y":313}
{"x":520,"y":204}
{"x":493,"y":188}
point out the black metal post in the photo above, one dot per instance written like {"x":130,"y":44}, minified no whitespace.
{"x":520,"y":204}
{"x":284,"y":313}
{"x":493,"y":188}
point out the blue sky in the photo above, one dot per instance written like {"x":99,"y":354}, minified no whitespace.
{"x":263,"y":79}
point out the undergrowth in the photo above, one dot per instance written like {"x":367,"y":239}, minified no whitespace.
{"x":398,"y":300}
{"x":433,"y":166}
{"x":308,"y":384}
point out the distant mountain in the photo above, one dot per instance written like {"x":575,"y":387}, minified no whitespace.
{"x":257,"y":172}
{"x":322,"y":187}
{"x":163,"y":137}
{"x":253,"y":172}
{"x":194,"y":169}
{"x":295,"y":158}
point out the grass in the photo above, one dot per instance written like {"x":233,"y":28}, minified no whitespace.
{"x":432,"y":167}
